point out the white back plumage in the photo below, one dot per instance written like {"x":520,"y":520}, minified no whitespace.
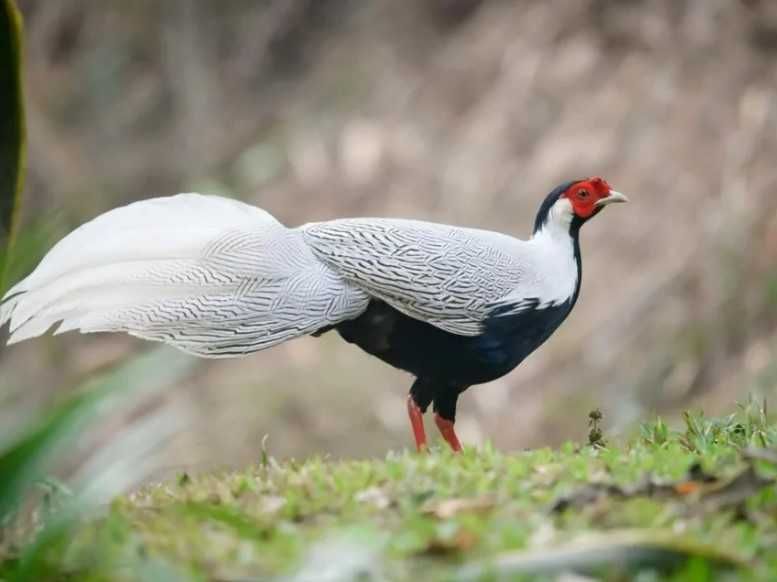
{"x":448,"y":276}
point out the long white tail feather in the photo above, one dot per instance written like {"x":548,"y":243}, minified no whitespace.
{"x":210,"y":275}
{"x":171,"y":227}
{"x":69,"y":306}
{"x":126,"y":280}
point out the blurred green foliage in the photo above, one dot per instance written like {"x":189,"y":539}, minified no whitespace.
{"x":23,"y":460}
{"x":116,"y":464}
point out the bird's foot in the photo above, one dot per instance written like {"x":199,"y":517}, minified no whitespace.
{"x":417,"y":423}
{"x":448,"y":433}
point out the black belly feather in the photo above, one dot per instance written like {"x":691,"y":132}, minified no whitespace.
{"x":444,"y":358}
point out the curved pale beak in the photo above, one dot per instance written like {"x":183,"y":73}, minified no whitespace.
{"x":611,"y":198}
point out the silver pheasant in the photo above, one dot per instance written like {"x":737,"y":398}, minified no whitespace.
{"x":217,"y":278}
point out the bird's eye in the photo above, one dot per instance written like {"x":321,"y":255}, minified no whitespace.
{"x":583,"y":193}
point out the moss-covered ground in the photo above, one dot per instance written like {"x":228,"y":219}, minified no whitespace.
{"x":697,"y":503}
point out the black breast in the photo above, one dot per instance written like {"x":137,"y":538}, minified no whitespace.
{"x":429,"y":352}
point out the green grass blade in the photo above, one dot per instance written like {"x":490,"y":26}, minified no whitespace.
{"x":22,"y":462}
{"x":12,"y":131}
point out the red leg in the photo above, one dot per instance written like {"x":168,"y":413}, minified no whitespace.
{"x":417,"y":422}
{"x":448,"y":433}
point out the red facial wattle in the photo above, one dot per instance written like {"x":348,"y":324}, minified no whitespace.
{"x":586,"y":194}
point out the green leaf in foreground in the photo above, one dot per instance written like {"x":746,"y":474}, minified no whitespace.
{"x":23,"y":461}
{"x":111,"y":469}
{"x":12,"y":130}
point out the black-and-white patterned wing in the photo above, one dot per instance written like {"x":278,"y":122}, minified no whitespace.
{"x":440,"y":274}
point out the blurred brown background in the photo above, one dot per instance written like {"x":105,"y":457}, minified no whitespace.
{"x":457,"y":111}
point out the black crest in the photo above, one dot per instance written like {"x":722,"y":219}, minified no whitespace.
{"x":547,"y":204}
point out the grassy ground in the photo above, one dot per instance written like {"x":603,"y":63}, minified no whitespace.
{"x":694,"y":504}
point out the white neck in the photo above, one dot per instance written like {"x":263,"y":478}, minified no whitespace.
{"x":558,"y":221}
{"x":555,"y":253}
